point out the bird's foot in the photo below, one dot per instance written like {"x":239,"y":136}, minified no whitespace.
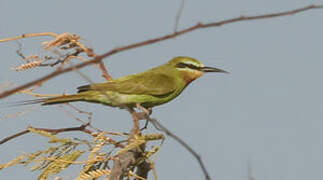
{"x":147,"y":111}
{"x":144,"y":114}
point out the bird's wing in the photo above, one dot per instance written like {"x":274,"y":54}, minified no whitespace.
{"x":154,"y":84}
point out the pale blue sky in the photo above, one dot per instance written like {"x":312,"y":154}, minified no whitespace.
{"x":267,"y":112}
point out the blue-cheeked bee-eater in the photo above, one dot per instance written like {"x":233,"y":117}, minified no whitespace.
{"x":151,"y":88}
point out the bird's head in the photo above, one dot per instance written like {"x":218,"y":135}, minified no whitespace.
{"x":191,"y":68}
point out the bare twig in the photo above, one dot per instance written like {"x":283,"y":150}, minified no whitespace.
{"x":54,"y":131}
{"x":179,"y":140}
{"x":179,"y":14}
{"x":29,"y":91}
{"x":29,"y":35}
{"x":89,"y":114}
{"x":199,"y":25}
{"x":4,"y":140}
{"x":81,"y":128}
{"x":105,"y":73}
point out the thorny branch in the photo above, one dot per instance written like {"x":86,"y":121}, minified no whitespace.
{"x":199,"y":25}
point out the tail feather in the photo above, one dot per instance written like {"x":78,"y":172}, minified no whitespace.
{"x":62,"y":99}
{"x":46,"y":101}
{"x":83,"y":88}
{"x":27,"y":102}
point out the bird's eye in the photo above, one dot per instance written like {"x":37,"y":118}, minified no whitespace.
{"x":190,"y":66}
{"x":181,"y":65}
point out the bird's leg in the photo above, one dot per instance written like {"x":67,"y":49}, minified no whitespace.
{"x":147,"y":112}
{"x":145,"y":126}
{"x":147,"y":122}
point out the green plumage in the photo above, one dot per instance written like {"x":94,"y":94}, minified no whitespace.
{"x":150,"y":88}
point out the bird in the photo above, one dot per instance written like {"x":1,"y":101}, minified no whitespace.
{"x":151,"y":88}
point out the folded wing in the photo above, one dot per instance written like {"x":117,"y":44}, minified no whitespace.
{"x":152,"y":84}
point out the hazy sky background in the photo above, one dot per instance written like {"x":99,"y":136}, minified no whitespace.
{"x":268,"y":112}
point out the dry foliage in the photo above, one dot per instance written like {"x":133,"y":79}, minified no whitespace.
{"x":64,"y":152}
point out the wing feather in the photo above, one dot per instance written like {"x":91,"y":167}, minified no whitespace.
{"x":154,"y":84}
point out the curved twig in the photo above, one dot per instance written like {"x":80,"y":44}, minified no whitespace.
{"x":160,"y":127}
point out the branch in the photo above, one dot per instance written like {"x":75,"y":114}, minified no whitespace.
{"x":4,"y":140}
{"x":121,"y":164}
{"x":160,"y":127}
{"x":143,"y":169}
{"x":81,"y":128}
{"x":125,"y":160}
{"x":54,"y":131}
{"x":199,"y":25}
{"x":105,"y":73}
{"x":30,"y":35}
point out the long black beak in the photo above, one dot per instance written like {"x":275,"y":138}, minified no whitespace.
{"x":212,"y":69}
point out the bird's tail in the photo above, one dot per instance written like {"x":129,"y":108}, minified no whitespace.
{"x":46,"y":101}
{"x":62,"y":99}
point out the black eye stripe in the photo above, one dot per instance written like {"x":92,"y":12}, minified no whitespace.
{"x":191,"y":66}
{"x":181,"y":65}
